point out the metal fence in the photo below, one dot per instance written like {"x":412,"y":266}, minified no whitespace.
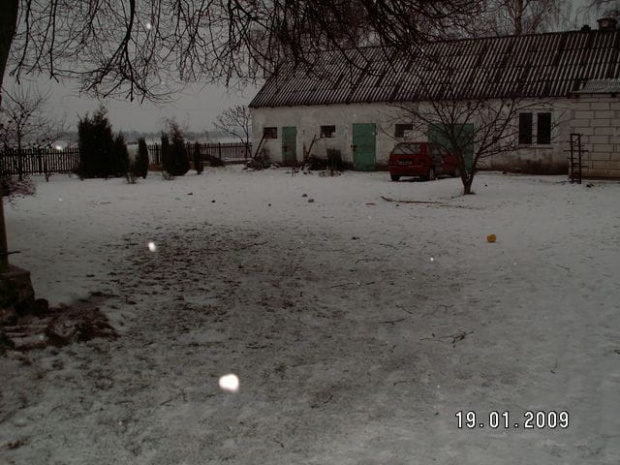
{"x":228,"y":152}
{"x":39,"y":161}
{"x":50,"y":161}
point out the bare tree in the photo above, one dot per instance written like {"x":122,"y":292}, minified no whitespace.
{"x":472,"y":130}
{"x":24,"y":121}
{"x":237,"y":122}
{"x":606,"y":8}
{"x":129,"y":47}
{"x":517,"y":17}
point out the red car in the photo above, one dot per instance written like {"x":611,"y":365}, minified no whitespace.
{"x":421,"y":159}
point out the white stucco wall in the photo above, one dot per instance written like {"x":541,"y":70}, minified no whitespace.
{"x":309,"y":119}
{"x":597,"y":119}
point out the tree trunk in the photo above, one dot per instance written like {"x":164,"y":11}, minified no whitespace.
{"x":518,"y":18}
{"x":467,"y":183}
{"x":8,"y":25}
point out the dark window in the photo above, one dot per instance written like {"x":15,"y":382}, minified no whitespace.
{"x":270,"y":133}
{"x":543,"y":135}
{"x":400,"y":129}
{"x":328,"y":131}
{"x":525,"y":128}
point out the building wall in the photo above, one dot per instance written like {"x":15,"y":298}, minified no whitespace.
{"x":309,"y":119}
{"x":597,"y":119}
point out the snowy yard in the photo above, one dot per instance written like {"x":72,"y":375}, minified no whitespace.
{"x":358,"y":326}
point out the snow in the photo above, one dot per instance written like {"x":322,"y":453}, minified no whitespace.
{"x":358,"y":327}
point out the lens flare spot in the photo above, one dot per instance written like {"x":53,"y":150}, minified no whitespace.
{"x":148,"y":25}
{"x":229,"y":383}
{"x":432,"y":259}
{"x":152,"y":246}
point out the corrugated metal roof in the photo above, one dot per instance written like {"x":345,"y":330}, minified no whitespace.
{"x":537,"y":65}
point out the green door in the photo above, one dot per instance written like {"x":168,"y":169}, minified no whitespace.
{"x":437,"y":134}
{"x":289,"y":145}
{"x":364,"y":146}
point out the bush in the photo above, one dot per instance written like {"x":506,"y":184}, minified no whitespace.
{"x":12,"y":187}
{"x":197,"y":158}
{"x":141,"y":165}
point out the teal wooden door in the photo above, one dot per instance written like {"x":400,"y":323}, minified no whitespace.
{"x":364,"y":146}
{"x":437,"y":135}
{"x":289,"y":145}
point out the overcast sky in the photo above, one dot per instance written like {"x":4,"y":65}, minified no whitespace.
{"x":196,"y":107}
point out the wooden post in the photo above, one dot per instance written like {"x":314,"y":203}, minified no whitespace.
{"x":8,"y":25}
{"x":39,"y":159}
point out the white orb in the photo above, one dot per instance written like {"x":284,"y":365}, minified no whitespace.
{"x":152,"y":247}
{"x":432,"y":259}
{"x":148,"y":25}
{"x":229,"y":383}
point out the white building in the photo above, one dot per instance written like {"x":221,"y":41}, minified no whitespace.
{"x":353,"y":106}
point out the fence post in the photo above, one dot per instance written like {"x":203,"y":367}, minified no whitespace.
{"x":40,"y":160}
{"x":20,"y":164}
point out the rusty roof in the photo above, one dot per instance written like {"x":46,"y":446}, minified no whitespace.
{"x":536,"y":66}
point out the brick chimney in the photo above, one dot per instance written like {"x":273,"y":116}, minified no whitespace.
{"x":607,"y":24}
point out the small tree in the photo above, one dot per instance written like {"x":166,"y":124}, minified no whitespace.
{"x":166,"y":157}
{"x":142,"y":162}
{"x":237,"y":122}
{"x":24,"y":122}
{"x":179,"y":160}
{"x":96,"y":144}
{"x":197,"y":158}
{"x":120,"y":156}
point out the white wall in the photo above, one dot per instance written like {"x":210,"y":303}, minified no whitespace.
{"x":308,"y":119}
{"x":547,"y":158}
{"x":597,"y":119}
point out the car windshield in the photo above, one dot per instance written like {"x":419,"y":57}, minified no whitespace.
{"x":407,"y":149}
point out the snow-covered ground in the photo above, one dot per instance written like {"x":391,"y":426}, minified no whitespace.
{"x":358,"y":326}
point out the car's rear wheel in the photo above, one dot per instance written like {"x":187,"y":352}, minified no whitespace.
{"x":395,"y":177}
{"x":431,"y":175}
